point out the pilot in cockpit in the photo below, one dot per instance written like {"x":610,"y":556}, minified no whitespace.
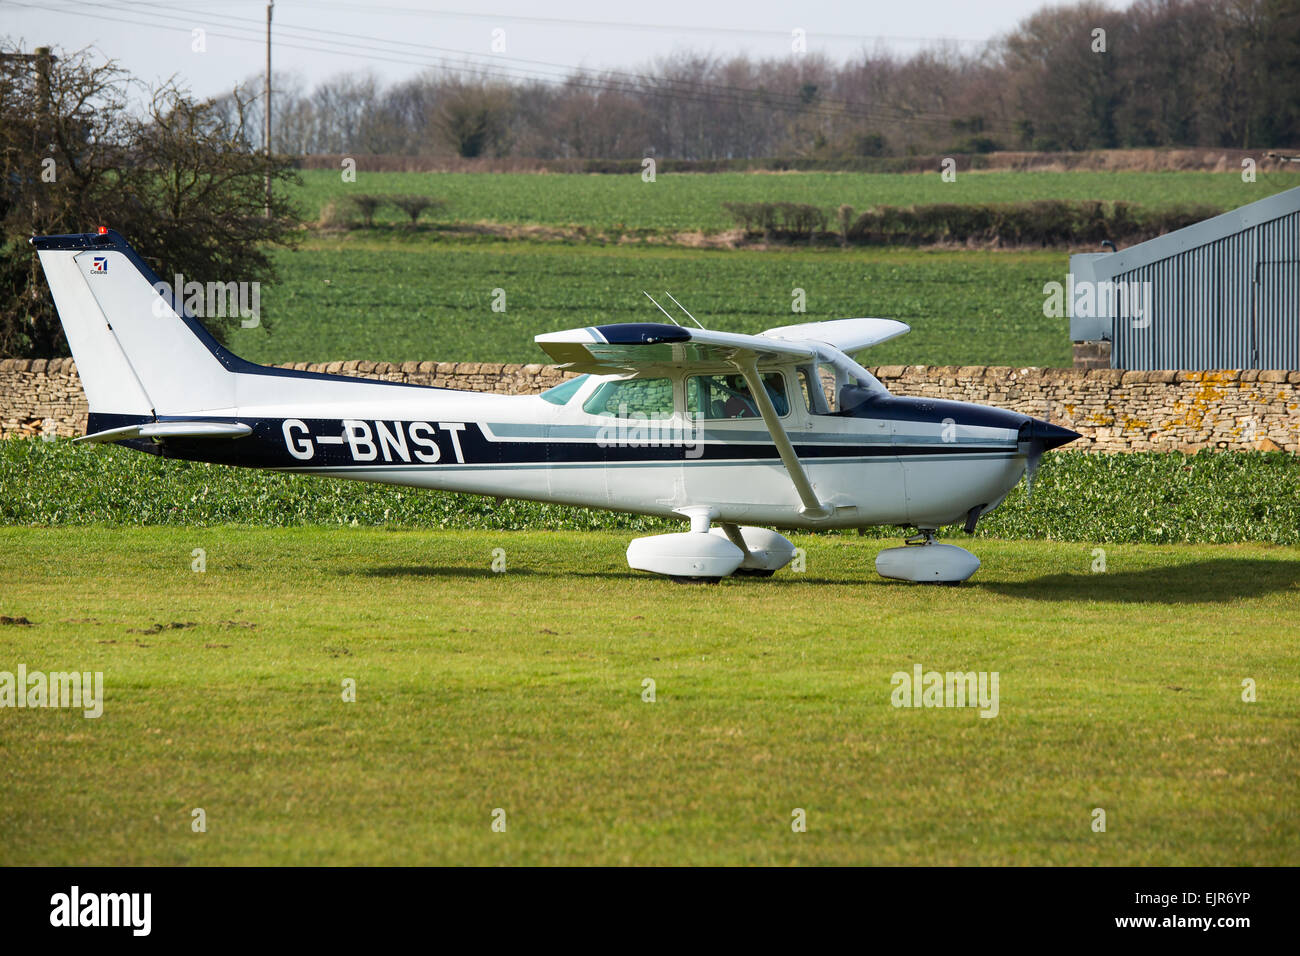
{"x":732,"y":399}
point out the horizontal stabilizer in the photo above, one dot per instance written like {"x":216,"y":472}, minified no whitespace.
{"x":171,"y":430}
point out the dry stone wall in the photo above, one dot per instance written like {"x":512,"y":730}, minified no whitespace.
{"x":1115,"y":410}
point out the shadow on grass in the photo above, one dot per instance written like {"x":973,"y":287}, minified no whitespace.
{"x":436,"y":571}
{"x":447,"y":571}
{"x":512,"y":571}
{"x":1201,"y":582}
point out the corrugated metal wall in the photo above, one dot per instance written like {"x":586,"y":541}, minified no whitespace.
{"x":1233,"y":303}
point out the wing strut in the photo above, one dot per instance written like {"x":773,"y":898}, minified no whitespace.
{"x":812,"y":506}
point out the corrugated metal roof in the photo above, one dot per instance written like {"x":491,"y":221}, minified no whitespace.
{"x":1223,"y":293}
{"x":1110,"y":264}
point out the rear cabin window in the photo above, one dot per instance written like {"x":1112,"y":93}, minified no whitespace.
{"x":649,"y":397}
{"x":560,"y":394}
{"x":728,"y":396}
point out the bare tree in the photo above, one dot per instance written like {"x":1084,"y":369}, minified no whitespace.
{"x":367,"y":205}
{"x":1080,"y":76}
{"x":179,"y":181}
{"x":414,"y":205}
{"x":471,"y":118}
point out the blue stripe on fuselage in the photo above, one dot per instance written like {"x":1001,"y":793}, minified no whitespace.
{"x":347,"y":443}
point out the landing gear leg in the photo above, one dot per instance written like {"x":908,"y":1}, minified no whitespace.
{"x":766,"y":552}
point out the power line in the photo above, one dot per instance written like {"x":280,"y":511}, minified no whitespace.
{"x":618,"y":24}
{"x":699,"y":93}
{"x":635,"y":84}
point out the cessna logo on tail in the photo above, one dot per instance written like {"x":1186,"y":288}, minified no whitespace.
{"x":379,"y":440}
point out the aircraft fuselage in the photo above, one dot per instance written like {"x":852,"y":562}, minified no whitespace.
{"x":889,"y":461}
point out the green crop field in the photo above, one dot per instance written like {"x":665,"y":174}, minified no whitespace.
{"x":689,"y":201}
{"x":396,"y":301}
{"x":396,"y":295}
{"x":525,"y":692}
{"x":1087,"y":498}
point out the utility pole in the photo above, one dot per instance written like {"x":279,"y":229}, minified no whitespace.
{"x":266,"y":143}
{"x":44,"y":60}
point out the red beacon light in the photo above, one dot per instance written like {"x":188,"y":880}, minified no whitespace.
{"x":102,"y":230}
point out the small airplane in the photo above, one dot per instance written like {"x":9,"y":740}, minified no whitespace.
{"x":733,"y":433}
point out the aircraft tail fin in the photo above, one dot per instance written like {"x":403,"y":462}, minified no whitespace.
{"x":135,"y":352}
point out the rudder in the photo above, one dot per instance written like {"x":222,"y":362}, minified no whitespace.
{"x":135,"y":354}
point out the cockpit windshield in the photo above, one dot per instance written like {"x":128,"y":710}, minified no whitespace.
{"x":833,"y":391}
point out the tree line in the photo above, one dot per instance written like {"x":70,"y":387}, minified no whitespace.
{"x":1216,"y":73}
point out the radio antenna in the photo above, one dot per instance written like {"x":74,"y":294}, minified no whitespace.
{"x":683,"y":308}
{"x":661,"y":308}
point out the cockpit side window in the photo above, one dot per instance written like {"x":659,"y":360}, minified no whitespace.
{"x":818,"y":384}
{"x":817,"y":398}
{"x":728,"y":396}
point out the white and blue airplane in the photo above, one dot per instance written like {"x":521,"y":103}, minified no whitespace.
{"x":733,"y":433}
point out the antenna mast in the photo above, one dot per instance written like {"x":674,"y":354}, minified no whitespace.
{"x":683,"y":308}
{"x":661,"y":308}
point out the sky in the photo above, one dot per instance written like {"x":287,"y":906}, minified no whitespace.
{"x":395,"y":39}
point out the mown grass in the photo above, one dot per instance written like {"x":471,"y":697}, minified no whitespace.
{"x":399,"y":300}
{"x":523,"y":691}
{"x":1144,"y":497}
{"x":690,"y":201}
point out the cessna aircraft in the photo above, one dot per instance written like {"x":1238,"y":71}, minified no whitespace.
{"x":780,"y":429}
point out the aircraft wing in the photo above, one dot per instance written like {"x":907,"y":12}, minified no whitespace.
{"x":847,"y":335}
{"x":608,"y":348}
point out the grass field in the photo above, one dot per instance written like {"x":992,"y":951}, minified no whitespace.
{"x":686,"y":201}
{"x":523,"y":691}
{"x":396,"y":301}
